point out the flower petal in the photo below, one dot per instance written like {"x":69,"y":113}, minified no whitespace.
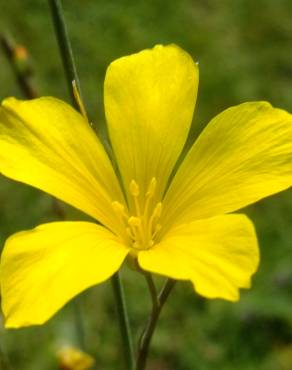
{"x":47,"y":144}
{"x":149,"y":103}
{"x":218,"y":255}
{"x":243,"y":155}
{"x":43,"y":268}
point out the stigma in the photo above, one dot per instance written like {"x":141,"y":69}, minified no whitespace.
{"x":141,"y":223}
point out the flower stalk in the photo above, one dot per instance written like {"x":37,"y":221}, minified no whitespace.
{"x":152,"y":289}
{"x":152,"y":322}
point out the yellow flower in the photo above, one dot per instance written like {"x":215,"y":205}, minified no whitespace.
{"x":178,"y":226}
{"x":71,"y":358}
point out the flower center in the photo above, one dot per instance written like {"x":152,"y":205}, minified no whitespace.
{"x":141,"y":225}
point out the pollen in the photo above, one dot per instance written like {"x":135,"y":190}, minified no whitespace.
{"x":141,"y":223}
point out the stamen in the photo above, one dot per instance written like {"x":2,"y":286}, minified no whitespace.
{"x":156,"y":214}
{"x":135,"y":191}
{"x":134,"y":221}
{"x":149,"y":195}
{"x":157,"y":210}
{"x":141,"y":225}
{"x":134,"y":188}
{"x":119,"y":209}
{"x":130,"y":234}
{"x":136,"y":229}
{"x":151,"y":188}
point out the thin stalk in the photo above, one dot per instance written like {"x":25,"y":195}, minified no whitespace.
{"x":124,"y":321}
{"x":152,"y":288}
{"x":20,"y":64}
{"x":151,"y":325}
{"x":65,"y":47}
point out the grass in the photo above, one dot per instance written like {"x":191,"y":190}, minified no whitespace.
{"x":244,"y":51}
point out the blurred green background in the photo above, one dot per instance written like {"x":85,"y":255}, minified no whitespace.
{"x":244,"y":48}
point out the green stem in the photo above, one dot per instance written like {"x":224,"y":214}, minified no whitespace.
{"x":151,"y":325}
{"x":152,"y":288}
{"x":124,"y":321}
{"x":65,"y":47}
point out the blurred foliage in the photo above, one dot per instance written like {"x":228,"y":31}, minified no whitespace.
{"x":244,"y":48}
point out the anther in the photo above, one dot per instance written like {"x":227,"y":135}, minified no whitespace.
{"x":134,"y":188}
{"x":151,"y":187}
{"x":141,"y":223}
{"x":119,"y":209}
{"x":134,"y":221}
{"x":157,"y":210}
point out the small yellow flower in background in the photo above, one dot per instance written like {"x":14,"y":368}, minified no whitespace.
{"x":180,"y":229}
{"x":20,"y":53}
{"x":71,"y":358}
{"x":22,"y":59}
